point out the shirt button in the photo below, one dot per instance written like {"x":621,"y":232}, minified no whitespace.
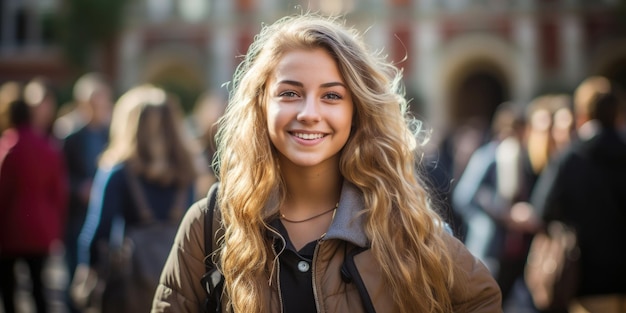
{"x":303,"y":266}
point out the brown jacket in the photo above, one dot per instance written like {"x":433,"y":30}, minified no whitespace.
{"x":474,"y":289}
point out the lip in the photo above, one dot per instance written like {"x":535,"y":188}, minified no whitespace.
{"x":307,"y":142}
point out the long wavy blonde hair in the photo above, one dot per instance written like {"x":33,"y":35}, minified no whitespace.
{"x":379,"y":159}
{"x":144,"y":118}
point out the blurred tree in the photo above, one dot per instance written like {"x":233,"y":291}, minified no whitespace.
{"x":621,"y":14}
{"x":187,"y":94}
{"x":87,"y":27}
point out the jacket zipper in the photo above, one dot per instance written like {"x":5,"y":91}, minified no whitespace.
{"x":313,"y":272}
{"x":280,"y":293}
{"x":277,"y":269}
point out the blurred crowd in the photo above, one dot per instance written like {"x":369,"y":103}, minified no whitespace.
{"x":59,"y":189}
{"x":559,"y":157}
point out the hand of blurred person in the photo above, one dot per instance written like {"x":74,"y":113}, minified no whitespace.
{"x":84,"y":191}
{"x":522,"y":218}
{"x":83,"y":285}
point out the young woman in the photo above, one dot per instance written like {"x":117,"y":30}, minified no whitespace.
{"x":316,"y":165}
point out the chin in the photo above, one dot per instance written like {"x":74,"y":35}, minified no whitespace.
{"x":306,"y":163}
{"x":303,"y":160}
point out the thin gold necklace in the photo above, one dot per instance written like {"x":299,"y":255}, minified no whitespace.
{"x":282,"y":216}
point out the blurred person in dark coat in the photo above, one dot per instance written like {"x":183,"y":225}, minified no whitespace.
{"x":33,"y":192}
{"x":81,"y":149}
{"x":584,"y":188}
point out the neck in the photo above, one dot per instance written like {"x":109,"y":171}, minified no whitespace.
{"x":311,"y":190}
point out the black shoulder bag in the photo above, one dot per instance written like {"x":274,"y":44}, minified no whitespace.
{"x":212,"y":281}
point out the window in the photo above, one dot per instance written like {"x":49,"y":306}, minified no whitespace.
{"x":159,"y":10}
{"x":193,"y":10}
{"x":27,"y":23}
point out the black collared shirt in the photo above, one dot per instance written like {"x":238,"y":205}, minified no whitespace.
{"x":296,"y":279}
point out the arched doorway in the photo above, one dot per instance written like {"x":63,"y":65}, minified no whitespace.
{"x":478,"y":73}
{"x":478,"y":89}
{"x":477,"y":96}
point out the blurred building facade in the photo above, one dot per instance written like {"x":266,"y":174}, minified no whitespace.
{"x":461,"y":58}
{"x":26,"y":49}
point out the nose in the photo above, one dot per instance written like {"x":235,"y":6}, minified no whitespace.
{"x":310,"y":110}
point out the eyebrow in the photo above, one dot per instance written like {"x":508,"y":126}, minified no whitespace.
{"x":324,"y":85}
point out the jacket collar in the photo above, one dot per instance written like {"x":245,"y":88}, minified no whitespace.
{"x":349,"y":218}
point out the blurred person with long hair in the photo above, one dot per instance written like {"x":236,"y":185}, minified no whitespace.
{"x":33,"y":197}
{"x":316,"y":164}
{"x":550,"y":128}
{"x":147,"y":154}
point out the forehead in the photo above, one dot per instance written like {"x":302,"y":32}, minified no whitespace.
{"x":307,"y":64}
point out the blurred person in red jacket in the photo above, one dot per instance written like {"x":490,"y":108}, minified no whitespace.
{"x":33,"y":192}
{"x":40,"y":97}
{"x":9,"y":91}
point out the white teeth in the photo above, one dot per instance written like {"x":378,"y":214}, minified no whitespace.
{"x":308,"y":136}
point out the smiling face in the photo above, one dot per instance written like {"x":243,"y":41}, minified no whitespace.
{"x":309,"y":109}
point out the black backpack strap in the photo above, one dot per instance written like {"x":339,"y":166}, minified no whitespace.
{"x":141,"y":201}
{"x":212,"y":281}
{"x":139,"y":198}
{"x":209,"y":234}
{"x":350,"y":274}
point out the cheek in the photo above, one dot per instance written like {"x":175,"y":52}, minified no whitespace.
{"x":273,"y":121}
{"x":347,"y":115}
{"x":343,"y":121}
